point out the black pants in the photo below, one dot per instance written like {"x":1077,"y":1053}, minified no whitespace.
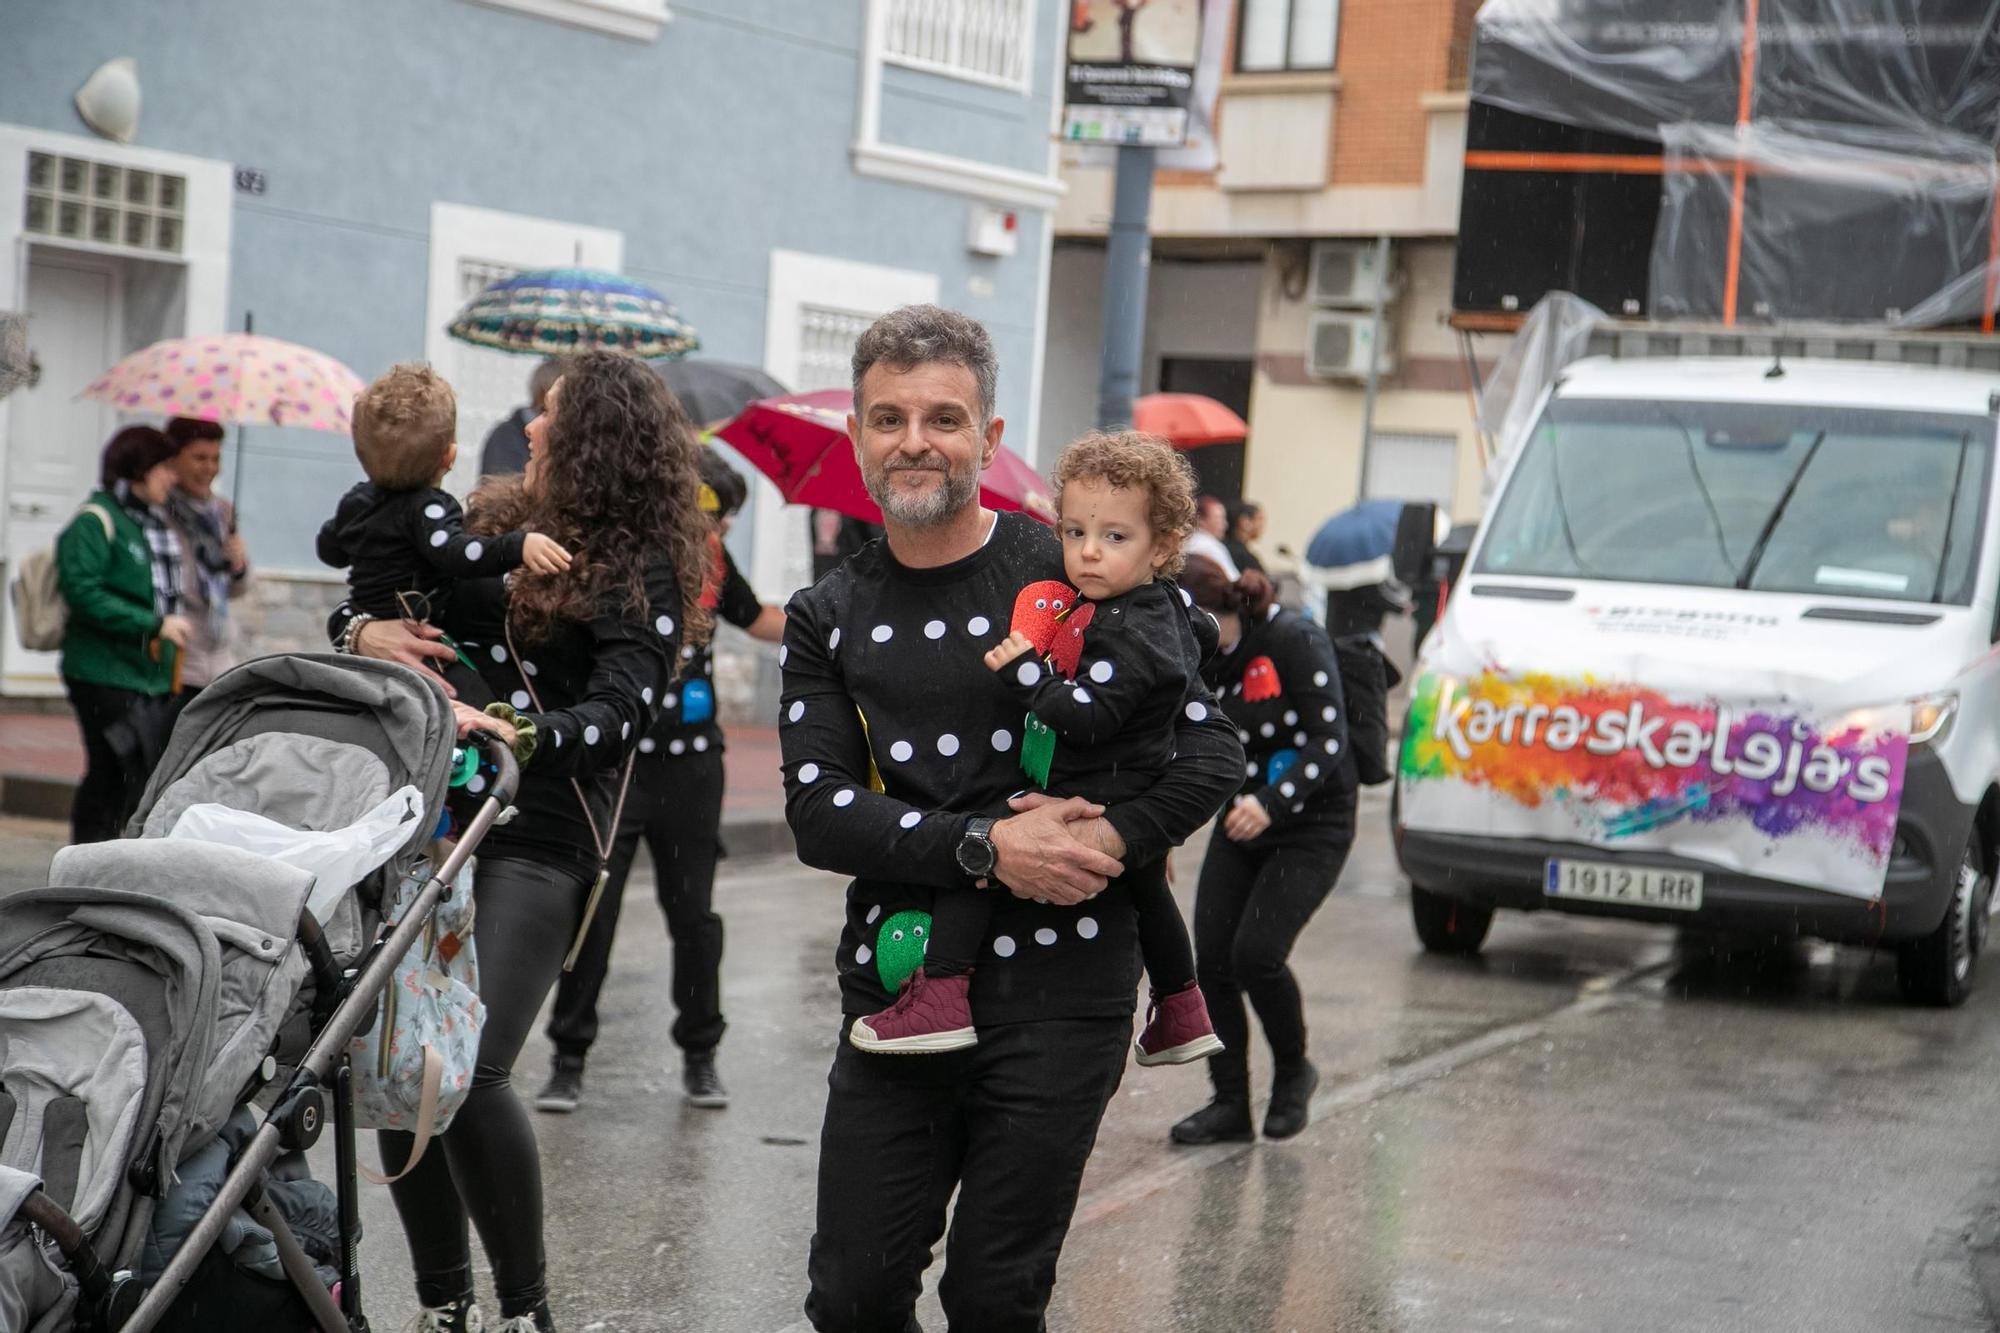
{"x":1009,"y":1123}
{"x":490,"y":1170}
{"x":1249,"y":908}
{"x":676,"y":807}
{"x":959,"y":919}
{"x":123,"y":732}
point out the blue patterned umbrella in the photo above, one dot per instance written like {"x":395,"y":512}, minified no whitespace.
{"x":555,"y":311}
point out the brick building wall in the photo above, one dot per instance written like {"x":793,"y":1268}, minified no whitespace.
{"x":1392,"y":52}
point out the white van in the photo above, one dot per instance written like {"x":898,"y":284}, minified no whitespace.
{"x":1724,"y":655}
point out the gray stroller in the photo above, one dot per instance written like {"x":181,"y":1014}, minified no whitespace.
{"x":170,"y":1007}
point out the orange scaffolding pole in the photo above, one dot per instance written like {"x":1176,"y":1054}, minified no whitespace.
{"x":1731,"y":277}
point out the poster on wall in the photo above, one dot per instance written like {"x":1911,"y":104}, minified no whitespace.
{"x":1773,"y":791}
{"x":1131,"y":76}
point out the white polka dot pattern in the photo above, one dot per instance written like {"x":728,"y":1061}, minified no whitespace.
{"x":1267,"y":731}
{"x":529,"y":668}
{"x":844,"y":797}
{"x":1003,"y":740}
{"x":797,"y":710}
{"x":902,"y":752}
{"x":934,"y":630}
{"x":977,"y":626}
{"x":1312,"y":771}
{"x":498,"y":652}
{"x":433,"y":511}
{"x":1030,"y":672}
{"x":1003,"y":946}
{"x":862,"y":953}
{"x":1197,"y":711}
{"x":665,"y":625}
{"x":874,"y":913}
{"x":1082,"y":695}
{"x":1319,"y":679}
{"x":519,"y":698}
{"x":625,"y":731}
{"x":947,"y":745}
{"x":672,"y":699}
{"x":910,"y":819}
{"x":647,"y":695}
{"x":473,"y":550}
{"x":591,"y":735}
{"x":1045,"y":937}
{"x":677,"y":747}
{"x":1249,"y":770}
{"x":808,"y":773}
{"x":475,"y":784}
{"x":440,"y":537}
{"x":784,"y":653}
{"x":833,"y":639}
{"x":1102,"y":672}
{"x":882,"y":633}
{"x":700,"y":744}
{"x":1087,"y":927}
{"x":1326,"y":713}
{"x":1291,"y":717}
{"x":648,"y":745}
{"x":1287,"y":790}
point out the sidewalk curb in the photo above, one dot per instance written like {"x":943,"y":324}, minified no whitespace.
{"x":31,"y":796}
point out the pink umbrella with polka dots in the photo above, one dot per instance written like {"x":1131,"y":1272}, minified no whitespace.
{"x":239,"y":378}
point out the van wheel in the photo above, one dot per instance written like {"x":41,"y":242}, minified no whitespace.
{"x":1446,"y":925}
{"x":1938,"y":968}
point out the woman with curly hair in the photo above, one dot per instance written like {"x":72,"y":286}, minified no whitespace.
{"x":580,"y":661}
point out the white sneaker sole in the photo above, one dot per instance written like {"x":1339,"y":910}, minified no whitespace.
{"x":863,"y":1038}
{"x":714,"y":1101}
{"x":558,"y":1105}
{"x":1184,"y":1054}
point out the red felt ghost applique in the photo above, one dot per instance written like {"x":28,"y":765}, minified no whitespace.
{"x":1067,"y":651}
{"x":1038,"y":612}
{"x":1260,"y":680}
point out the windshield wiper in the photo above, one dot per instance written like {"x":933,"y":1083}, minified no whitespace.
{"x":1701,"y":484}
{"x":1950,"y":514}
{"x":1778,"y":512}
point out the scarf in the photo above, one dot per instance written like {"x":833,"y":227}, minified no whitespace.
{"x":165,"y":545}
{"x":204,"y":524}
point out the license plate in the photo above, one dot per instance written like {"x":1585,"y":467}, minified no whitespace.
{"x":1634,"y":886}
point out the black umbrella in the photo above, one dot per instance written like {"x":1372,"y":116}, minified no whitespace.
{"x":714,"y":391}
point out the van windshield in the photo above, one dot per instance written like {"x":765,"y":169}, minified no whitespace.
{"x":1774,"y":497}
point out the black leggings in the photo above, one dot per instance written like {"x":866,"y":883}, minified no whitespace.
{"x":489,"y":1169}
{"x":959,"y":920}
{"x":1248,"y":911}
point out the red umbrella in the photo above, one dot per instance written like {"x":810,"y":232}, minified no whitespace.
{"x":1188,"y":420}
{"x":800,"y":442}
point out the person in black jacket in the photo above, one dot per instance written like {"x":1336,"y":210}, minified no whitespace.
{"x":580,"y":662}
{"x":1278,"y":850}
{"x":676,"y":809}
{"x":505,"y":453}
{"x":400,"y":538}
{"x":897,"y":740}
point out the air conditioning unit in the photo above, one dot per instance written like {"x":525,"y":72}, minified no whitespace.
{"x":1338,"y":343}
{"x":1349,"y":273}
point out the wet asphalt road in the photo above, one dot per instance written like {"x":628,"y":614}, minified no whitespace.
{"x":1593,"y":1127}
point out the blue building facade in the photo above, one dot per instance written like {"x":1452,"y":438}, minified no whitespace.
{"x":346,"y":174}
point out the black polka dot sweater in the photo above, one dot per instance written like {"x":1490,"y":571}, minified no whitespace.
{"x":600,"y":684}
{"x":687,"y":724}
{"x":1110,"y":681}
{"x":394,"y":542}
{"x":1280,"y":686}
{"x":895,"y":733}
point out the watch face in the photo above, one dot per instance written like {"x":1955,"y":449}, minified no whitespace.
{"x":976,"y":856}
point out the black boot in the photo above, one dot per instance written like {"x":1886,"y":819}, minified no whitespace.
{"x":1291,"y":1099}
{"x":701,"y":1083}
{"x":564,"y":1090}
{"x":1224,"y":1120}
{"x":537,"y":1320}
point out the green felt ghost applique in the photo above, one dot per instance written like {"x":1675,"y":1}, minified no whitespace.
{"x":899,"y":947}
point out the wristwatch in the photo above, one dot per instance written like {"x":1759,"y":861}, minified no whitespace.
{"x":976,"y":853}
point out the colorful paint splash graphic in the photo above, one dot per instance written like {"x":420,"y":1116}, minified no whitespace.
{"x":1619,"y":761}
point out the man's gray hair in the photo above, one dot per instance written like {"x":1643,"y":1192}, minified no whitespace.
{"x":920,"y":334}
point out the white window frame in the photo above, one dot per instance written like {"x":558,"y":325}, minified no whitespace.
{"x":797,"y":281}
{"x":1024,"y":84}
{"x":1006,"y":186}
{"x":636,"y":20}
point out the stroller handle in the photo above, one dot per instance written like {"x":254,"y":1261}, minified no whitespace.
{"x":502,"y":757}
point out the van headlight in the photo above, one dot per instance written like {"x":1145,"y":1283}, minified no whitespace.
{"x":1931,"y":718}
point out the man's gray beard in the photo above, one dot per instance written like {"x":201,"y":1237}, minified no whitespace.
{"x":934,"y":509}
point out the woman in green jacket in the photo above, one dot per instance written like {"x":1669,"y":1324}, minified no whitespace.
{"x":120,"y":563}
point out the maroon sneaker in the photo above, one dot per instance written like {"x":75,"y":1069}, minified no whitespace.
{"x":931,"y":1014}
{"x":1177,"y":1029}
